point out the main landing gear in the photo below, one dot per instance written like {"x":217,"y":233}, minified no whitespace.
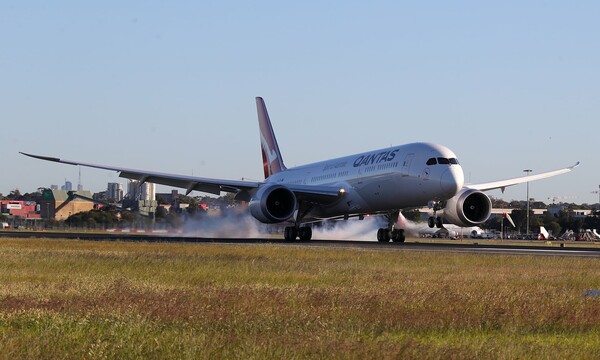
{"x":390,"y":233}
{"x":304,"y":233}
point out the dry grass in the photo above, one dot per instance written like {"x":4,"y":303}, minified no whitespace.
{"x":75,"y":299}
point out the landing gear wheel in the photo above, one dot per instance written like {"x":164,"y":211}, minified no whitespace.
{"x":431,"y":222}
{"x":305,"y":233}
{"x":290,"y":233}
{"x":398,"y":235}
{"x":383,"y":235}
{"x":438,"y":222}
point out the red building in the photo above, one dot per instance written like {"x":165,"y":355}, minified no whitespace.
{"x":20,"y":208}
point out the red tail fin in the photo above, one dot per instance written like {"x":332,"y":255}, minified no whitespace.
{"x":272,"y":161}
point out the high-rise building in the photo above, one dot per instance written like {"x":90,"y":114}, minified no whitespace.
{"x":141,"y":197}
{"x":137,"y":191}
{"x":148,"y":192}
{"x":67,"y":186}
{"x":114,"y":191}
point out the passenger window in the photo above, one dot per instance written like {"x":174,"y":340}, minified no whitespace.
{"x":431,"y":161}
{"x":443,"y":161}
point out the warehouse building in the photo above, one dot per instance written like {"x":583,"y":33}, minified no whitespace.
{"x":60,"y":204}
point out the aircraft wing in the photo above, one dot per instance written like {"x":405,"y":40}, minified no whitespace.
{"x":212,"y":186}
{"x":501,"y":184}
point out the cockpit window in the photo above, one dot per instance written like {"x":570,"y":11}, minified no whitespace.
{"x":443,"y":161}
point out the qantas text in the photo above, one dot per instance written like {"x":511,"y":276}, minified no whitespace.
{"x":370,"y":159}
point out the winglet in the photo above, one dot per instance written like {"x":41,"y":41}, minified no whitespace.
{"x":47,"y":158}
{"x":272,"y":160}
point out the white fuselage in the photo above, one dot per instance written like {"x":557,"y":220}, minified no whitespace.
{"x":383,"y":180}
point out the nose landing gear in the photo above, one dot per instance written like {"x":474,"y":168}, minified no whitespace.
{"x":436,"y":221}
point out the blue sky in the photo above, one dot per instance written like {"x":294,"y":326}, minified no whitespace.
{"x":170,"y":86}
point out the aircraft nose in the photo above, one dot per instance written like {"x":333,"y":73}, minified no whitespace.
{"x":452,"y":180}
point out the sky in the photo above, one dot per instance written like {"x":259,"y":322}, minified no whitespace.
{"x":170,"y":87}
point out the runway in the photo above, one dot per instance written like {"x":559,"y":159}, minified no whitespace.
{"x":457,"y":246}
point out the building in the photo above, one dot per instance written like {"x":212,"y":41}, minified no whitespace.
{"x":141,"y":197}
{"x":114,"y":192}
{"x":19,"y":208}
{"x":60,"y":204}
{"x":169,"y":198}
{"x":137,"y":191}
{"x":68,"y":186}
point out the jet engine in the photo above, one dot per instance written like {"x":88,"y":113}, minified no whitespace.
{"x":273,"y":204}
{"x":468,"y":208}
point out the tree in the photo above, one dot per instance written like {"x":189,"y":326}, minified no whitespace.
{"x":34,"y":196}
{"x":520,"y":219}
{"x":550,"y":222}
{"x":591,"y":222}
{"x":499,"y":203}
{"x":14,"y":195}
{"x":184,"y":199}
{"x":229,"y":198}
{"x":105,"y":216}
{"x":493,"y":223}
{"x":161,"y":213}
{"x":195,"y":210}
{"x":161,"y":200}
{"x":568,"y":221}
{"x":537,"y":205}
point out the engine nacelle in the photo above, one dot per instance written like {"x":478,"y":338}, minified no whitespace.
{"x":468,"y":208}
{"x":273,"y":204}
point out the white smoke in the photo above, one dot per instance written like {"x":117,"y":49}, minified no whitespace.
{"x":353,"y":229}
{"x":227,"y":225}
{"x":242,"y":225}
{"x":366,"y":230}
{"x":415,"y":229}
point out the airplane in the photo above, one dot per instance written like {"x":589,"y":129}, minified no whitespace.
{"x":379,"y":182}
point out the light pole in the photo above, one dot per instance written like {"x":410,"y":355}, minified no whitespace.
{"x":528,"y":171}
{"x":597,"y":192}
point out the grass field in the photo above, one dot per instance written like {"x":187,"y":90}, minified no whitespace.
{"x":75,"y":299}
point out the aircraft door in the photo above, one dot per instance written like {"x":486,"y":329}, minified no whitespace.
{"x":406,"y":164}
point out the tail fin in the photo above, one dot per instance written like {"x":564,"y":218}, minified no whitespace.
{"x":272,"y":160}
{"x":544,"y":235}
